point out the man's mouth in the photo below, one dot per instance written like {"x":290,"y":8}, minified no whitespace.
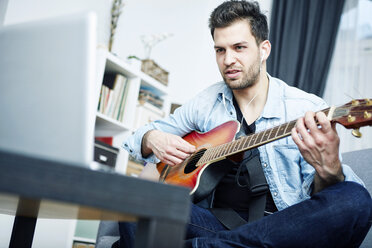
{"x":232,"y":73}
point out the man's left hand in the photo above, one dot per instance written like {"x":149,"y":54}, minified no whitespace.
{"x":318,"y":143}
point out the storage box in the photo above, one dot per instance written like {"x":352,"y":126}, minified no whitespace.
{"x":152,"y":69}
{"x":105,"y":154}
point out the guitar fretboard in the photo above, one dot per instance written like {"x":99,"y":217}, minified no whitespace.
{"x":248,"y":142}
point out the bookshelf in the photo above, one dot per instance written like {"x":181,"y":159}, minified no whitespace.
{"x":119,"y":130}
{"x":108,"y":63}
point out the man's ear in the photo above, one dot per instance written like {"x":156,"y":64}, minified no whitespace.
{"x":265,"y":49}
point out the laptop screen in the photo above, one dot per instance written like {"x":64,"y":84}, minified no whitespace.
{"x":47,"y":88}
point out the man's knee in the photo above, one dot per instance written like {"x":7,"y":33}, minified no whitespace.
{"x":352,"y":199}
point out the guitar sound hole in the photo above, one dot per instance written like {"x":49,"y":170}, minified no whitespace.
{"x":193,"y":160}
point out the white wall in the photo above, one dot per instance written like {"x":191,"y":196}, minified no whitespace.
{"x":29,"y":10}
{"x":188,"y":55}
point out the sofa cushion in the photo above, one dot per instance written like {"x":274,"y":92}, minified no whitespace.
{"x":361,"y":163}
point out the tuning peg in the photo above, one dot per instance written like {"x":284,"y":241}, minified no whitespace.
{"x":356,"y":133}
{"x":367,"y":115}
{"x":351,"y":118}
{"x":355,"y":102}
{"x":368,"y":102}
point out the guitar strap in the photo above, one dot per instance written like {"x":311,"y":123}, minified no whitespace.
{"x":258,"y":186}
{"x":259,"y":189}
{"x":228,"y":217}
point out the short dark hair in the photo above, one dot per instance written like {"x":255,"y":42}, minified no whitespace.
{"x":230,"y":11}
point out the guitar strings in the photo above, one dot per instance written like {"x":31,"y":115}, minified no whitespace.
{"x":237,"y":143}
{"x":233,"y":144}
{"x":198,"y":155}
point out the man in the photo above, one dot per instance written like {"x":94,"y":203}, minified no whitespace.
{"x":312,"y":200}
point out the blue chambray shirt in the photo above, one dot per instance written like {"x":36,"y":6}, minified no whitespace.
{"x":289,"y":176}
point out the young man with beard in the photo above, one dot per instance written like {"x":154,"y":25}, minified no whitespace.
{"x":312,"y":199}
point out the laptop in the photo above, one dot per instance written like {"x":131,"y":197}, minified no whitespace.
{"x":48,"y":88}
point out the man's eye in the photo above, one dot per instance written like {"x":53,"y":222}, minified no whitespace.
{"x":239,"y":47}
{"x":219,"y":50}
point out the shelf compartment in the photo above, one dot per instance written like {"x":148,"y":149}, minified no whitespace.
{"x":106,"y":123}
{"x":116,"y":65}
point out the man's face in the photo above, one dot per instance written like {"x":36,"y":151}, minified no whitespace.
{"x":237,"y":55}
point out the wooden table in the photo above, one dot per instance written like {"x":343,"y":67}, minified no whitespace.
{"x":32,"y":188}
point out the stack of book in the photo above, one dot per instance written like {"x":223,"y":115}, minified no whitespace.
{"x":113,"y":96}
{"x":145,"y":95}
{"x":134,"y":167}
{"x":82,"y":245}
{"x":146,"y":113}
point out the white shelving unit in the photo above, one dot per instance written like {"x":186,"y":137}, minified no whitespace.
{"x":106,"y":126}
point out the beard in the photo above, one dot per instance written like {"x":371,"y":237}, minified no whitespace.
{"x":250,"y":77}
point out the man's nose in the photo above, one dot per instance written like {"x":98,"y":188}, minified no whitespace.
{"x":229,"y":58}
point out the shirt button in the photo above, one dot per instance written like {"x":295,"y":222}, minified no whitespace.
{"x":275,"y":193}
{"x":231,"y":112}
{"x":265,"y":165}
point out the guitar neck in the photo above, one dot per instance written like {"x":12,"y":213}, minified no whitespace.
{"x":220,"y":152}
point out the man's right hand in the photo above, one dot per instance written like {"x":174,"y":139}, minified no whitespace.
{"x":169,"y":148}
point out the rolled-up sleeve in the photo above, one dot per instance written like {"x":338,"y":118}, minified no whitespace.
{"x":180,"y":123}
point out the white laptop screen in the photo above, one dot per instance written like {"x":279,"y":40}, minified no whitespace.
{"x":47,"y":88}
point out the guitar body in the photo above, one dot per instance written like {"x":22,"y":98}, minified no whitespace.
{"x":186,"y":174}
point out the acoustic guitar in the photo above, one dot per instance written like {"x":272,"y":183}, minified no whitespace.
{"x":219,"y":144}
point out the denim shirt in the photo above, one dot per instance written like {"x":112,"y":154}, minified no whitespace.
{"x":289,"y":176}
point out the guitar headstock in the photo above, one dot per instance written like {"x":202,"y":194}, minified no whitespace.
{"x":354,"y":114}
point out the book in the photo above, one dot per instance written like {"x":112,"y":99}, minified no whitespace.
{"x":105,"y":94}
{"x":107,"y":99}
{"x":115,"y":95}
{"x":103,"y":99}
{"x":118,"y":93}
{"x":106,"y":139}
{"x":121,"y":99}
{"x":146,"y":113}
{"x":82,"y":245}
{"x":146,"y":94}
{"x":109,"y":80}
{"x":134,"y":167}
{"x":121,"y":110}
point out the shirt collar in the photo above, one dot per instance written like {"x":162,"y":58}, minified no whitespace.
{"x":274,"y":98}
{"x":225,"y":92}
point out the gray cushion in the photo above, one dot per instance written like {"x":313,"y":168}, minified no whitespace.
{"x":361,"y":163}
{"x":108,"y":234}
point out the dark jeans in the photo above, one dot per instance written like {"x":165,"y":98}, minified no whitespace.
{"x":338,"y":216}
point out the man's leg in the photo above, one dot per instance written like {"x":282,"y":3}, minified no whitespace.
{"x":338,"y":216}
{"x":202,"y":223}
{"x":127,"y":234}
